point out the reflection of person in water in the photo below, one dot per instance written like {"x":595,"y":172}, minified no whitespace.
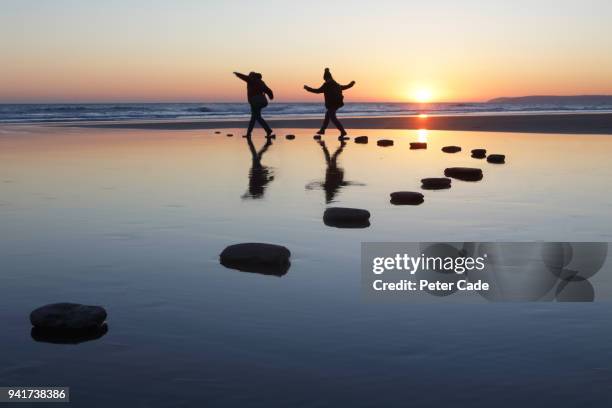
{"x":334,"y":100}
{"x":256,"y":93}
{"x":259,"y":175}
{"x":334,"y":175}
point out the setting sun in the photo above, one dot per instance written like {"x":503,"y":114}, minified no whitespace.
{"x":422,"y":95}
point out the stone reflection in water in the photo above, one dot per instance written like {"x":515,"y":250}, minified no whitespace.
{"x":68,"y":336}
{"x":259,"y":175}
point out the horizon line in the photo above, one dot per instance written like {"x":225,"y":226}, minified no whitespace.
{"x":222,"y":102}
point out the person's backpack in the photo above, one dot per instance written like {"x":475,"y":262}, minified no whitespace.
{"x":334,"y":97}
{"x":259,"y":101}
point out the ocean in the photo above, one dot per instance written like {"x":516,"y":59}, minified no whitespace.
{"x":27,"y":113}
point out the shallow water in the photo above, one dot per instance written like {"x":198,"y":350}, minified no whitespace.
{"x":135,"y":221}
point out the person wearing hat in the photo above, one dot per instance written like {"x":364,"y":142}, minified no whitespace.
{"x":334,"y":100}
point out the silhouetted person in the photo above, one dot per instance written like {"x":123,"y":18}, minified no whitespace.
{"x":256,"y":94}
{"x":259,"y":175}
{"x":334,"y":100}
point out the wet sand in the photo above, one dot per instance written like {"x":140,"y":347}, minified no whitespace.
{"x":135,"y":221}
{"x":574,"y":123}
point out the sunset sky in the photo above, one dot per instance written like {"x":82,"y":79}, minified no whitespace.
{"x":471,"y":50}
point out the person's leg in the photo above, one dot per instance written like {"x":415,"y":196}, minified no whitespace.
{"x":252,"y":121}
{"x":262,"y":122}
{"x":334,"y":119}
{"x":325,"y":123}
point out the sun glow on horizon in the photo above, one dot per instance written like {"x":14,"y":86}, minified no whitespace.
{"x":422,"y":95}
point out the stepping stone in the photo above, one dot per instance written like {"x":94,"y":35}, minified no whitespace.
{"x":341,"y":217}
{"x":435,"y":183}
{"x":317,"y":137}
{"x":68,"y":316}
{"x":384,"y":142}
{"x":496,"y":158}
{"x":267,"y":259}
{"x":479,"y":153}
{"x":217,"y":132}
{"x":451,"y":149}
{"x":418,"y":145}
{"x":407,"y":198}
{"x":464,"y":173}
{"x":290,"y":137}
{"x":361,"y":139}
{"x":230,"y":135}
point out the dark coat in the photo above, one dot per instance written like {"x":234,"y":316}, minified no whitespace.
{"x":256,"y":89}
{"x":332,"y":92}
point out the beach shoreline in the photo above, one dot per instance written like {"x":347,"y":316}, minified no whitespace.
{"x":574,"y":123}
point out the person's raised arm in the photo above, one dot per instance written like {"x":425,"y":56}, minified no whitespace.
{"x":348,"y":86}
{"x":313,"y":90}
{"x":241,"y":76}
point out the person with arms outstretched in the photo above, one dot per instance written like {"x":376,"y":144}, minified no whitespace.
{"x":334,"y":100}
{"x":256,"y":94}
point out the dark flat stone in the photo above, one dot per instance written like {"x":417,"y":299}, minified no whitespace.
{"x":230,"y":135}
{"x":217,"y":132}
{"x":290,"y":137}
{"x":464,"y":173}
{"x":479,"y":153}
{"x":451,"y":149}
{"x":435,"y":183}
{"x":384,"y":142}
{"x":407,"y":198}
{"x":496,"y":158}
{"x":68,"y":316}
{"x":267,"y":259}
{"x":341,"y":217}
{"x":361,"y":139}
{"x":418,"y":145}
{"x":317,"y":137}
